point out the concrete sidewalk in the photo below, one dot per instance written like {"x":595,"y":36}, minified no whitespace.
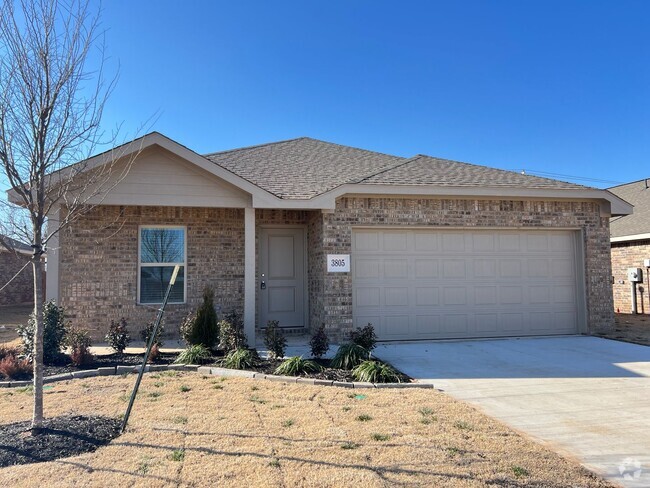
{"x":583,"y":396}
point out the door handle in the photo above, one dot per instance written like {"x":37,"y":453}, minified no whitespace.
{"x":263,"y":285}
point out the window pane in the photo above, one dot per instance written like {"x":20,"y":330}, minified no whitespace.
{"x":154,"y":281}
{"x":162,"y":245}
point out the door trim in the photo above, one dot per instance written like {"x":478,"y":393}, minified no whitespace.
{"x":258,"y":307}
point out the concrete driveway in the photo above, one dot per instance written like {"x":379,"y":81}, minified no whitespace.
{"x":582,"y":396}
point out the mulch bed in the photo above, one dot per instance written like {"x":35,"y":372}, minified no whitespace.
{"x":61,"y":437}
{"x":104,"y":361}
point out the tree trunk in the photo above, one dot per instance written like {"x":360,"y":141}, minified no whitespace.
{"x":37,"y":418}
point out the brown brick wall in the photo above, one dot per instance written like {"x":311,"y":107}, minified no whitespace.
{"x":630,"y":255}
{"x":21,"y":289}
{"x":99,"y":264}
{"x":350,"y":211}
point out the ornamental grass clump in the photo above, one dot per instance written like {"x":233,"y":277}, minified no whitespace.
{"x":296,"y":365}
{"x":349,"y":356}
{"x":240,"y":359}
{"x":375,"y":372}
{"x":196,"y":354}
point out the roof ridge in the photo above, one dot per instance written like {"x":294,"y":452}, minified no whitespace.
{"x":402,"y":163}
{"x":355,"y":147}
{"x":253,"y":146}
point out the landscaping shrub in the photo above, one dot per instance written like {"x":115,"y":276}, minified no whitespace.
{"x":6,"y":350}
{"x":14,"y":368}
{"x":187,"y":324}
{"x":240,"y":359}
{"x":375,"y":372}
{"x":145,"y":334}
{"x":364,"y":337}
{"x":196,"y":354}
{"x":118,"y":335}
{"x":204,"y":328}
{"x":296,"y":365}
{"x":231,"y":332}
{"x":349,"y":356}
{"x":275,"y":340}
{"x":53,"y":333}
{"x":319,"y":342}
{"x":79,"y":343}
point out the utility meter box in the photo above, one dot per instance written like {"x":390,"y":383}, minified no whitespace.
{"x":635,"y":275}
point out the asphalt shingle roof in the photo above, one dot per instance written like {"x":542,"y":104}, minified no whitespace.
{"x":304,"y":168}
{"x":427,"y":170}
{"x":636,"y":193}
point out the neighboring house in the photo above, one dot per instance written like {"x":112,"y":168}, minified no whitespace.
{"x":21,"y":289}
{"x":436,"y":248}
{"x":630,"y":240}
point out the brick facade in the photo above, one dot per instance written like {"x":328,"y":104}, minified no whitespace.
{"x":99,"y":258}
{"x":21,"y":289}
{"x":630,"y":255}
{"x":99,"y":264}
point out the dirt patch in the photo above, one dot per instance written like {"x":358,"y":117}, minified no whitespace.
{"x":630,"y":328}
{"x":61,"y":437}
{"x":193,"y":430}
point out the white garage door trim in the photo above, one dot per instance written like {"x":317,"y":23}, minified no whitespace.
{"x":452,"y":283}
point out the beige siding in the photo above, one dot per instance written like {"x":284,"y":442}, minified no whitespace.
{"x":158,"y":177}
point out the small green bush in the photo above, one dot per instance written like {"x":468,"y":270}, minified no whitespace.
{"x":204,"y":328}
{"x":79,"y":343}
{"x":365,"y":337}
{"x":319,"y":342}
{"x":240,"y":359}
{"x":145,"y":334}
{"x":349,"y":356}
{"x":231,"y":332}
{"x":118,"y":335}
{"x":54,"y":330}
{"x":296,"y":366}
{"x":274,"y":339}
{"x":196,"y":354}
{"x":375,"y":372}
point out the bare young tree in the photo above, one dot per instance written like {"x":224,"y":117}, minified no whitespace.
{"x":52,"y":95}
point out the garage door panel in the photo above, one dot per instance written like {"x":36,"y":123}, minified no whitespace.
{"x":429,"y":284}
{"x":396,"y":268}
{"x":426,"y":268}
{"x":396,"y":296}
{"x":454,"y":269}
{"x":427,"y":296}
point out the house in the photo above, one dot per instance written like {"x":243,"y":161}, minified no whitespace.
{"x":630,"y":241}
{"x":15,"y":261}
{"x":308,"y":232}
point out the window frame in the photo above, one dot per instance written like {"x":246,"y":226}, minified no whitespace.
{"x":158,"y":265}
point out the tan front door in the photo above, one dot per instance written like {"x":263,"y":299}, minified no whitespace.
{"x":281,"y":281}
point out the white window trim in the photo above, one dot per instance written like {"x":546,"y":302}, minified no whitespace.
{"x":145,"y":265}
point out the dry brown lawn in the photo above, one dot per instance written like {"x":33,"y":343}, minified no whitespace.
{"x":192,"y":430}
{"x":631,"y":328}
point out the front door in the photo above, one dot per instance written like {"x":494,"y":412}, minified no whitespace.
{"x":282,"y":276}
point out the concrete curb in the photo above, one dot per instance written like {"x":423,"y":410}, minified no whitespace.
{"x":209,"y":370}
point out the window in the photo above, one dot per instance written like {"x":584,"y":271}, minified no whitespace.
{"x":161,"y":248}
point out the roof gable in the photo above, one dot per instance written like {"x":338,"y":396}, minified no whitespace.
{"x":638,"y":194}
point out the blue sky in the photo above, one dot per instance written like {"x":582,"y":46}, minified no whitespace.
{"x":555,"y":86}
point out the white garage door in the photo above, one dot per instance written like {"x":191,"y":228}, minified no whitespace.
{"x":435,"y":284}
